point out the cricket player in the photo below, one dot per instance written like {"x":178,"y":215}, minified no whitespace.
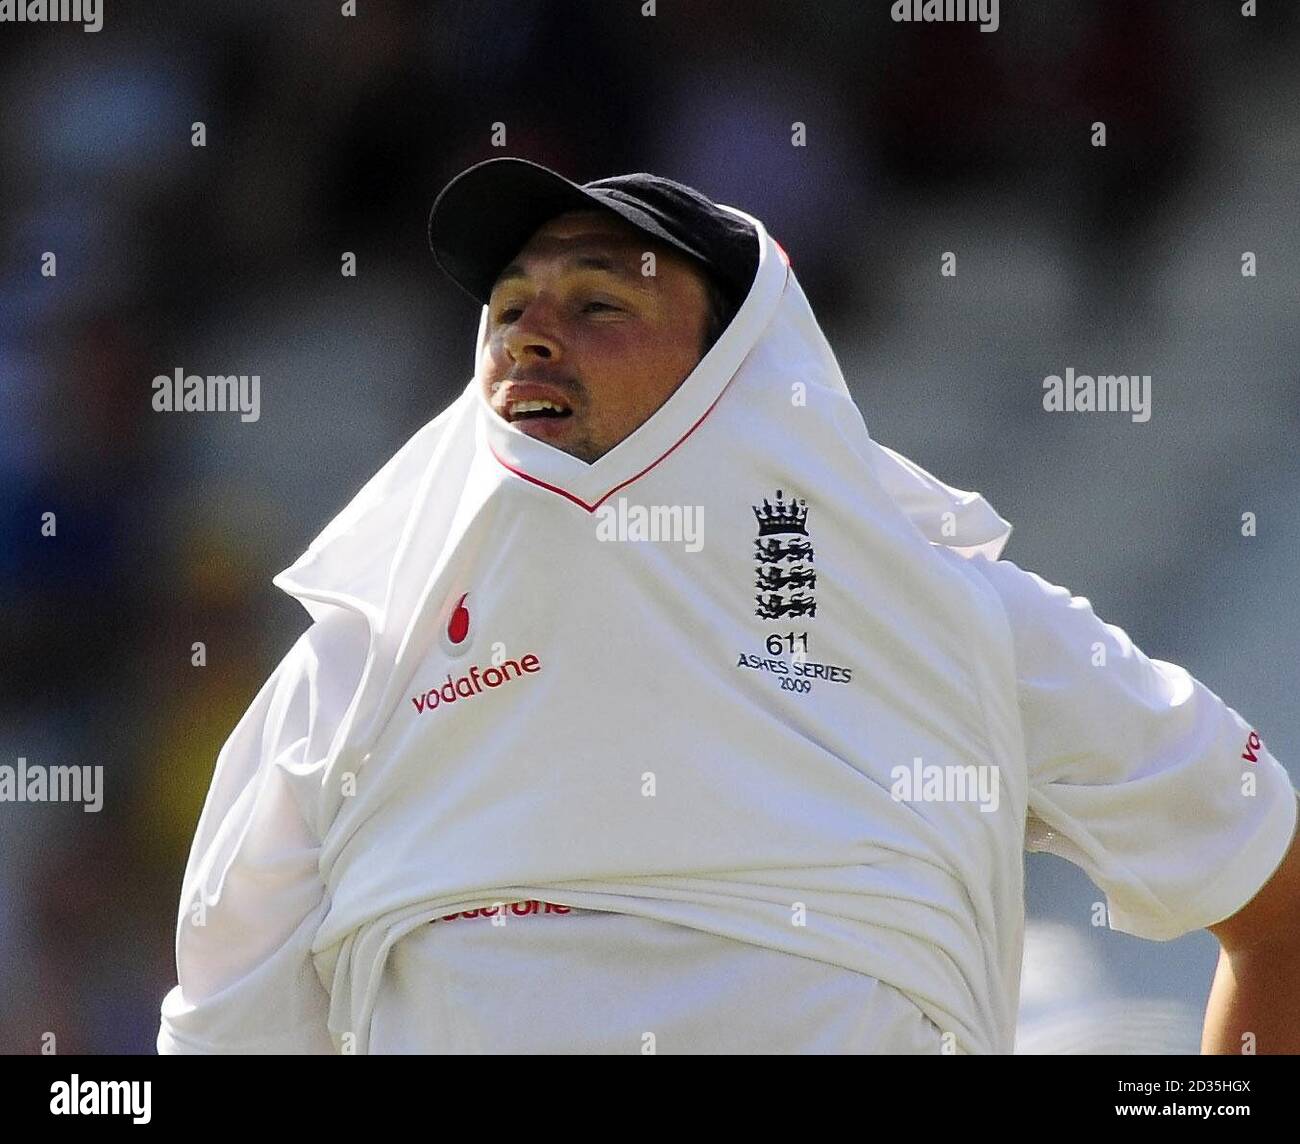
{"x":650,"y":705}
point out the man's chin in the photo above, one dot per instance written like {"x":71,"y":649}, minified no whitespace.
{"x":555,"y":431}
{"x":563,"y":434}
{"x":583,"y":449}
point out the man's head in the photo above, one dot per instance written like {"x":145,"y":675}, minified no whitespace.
{"x":583,"y":346}
{"x":570,"y":306}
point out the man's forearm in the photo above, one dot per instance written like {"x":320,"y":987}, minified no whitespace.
{"x":1257,"y":992}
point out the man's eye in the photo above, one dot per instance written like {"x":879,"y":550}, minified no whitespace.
{"x":604,"y":305}
{"x":504,"y":315}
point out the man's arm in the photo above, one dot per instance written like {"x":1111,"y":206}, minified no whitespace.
{"x":1255,"y":998}
{"x":252,"y":898}
{"x":1137,"y":775}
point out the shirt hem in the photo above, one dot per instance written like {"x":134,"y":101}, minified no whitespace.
{"x":1236,"y":886}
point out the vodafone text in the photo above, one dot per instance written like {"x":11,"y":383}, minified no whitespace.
{"x":1253,"y":744}
{"x":502,"y":910}
{"x":472,"y":684}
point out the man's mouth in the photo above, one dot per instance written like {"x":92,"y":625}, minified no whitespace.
{"x":534,"y":408}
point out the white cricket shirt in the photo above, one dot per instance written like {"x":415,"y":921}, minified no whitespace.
{"x":785,"y":757}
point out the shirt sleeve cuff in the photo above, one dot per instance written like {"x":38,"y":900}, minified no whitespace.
{"x":1234,"y":887}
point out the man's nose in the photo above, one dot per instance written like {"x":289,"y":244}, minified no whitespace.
{"x":528,"y":336}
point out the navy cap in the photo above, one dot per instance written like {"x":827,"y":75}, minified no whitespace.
{"x":484,"y":216}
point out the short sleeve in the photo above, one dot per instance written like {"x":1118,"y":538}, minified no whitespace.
{"x":252,"y":898}
{"x":1138,"y":773}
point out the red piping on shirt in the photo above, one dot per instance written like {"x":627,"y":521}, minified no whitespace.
{"x":592,"y":507}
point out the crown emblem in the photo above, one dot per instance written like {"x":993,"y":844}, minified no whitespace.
{"x":783,"y":569}
{"x":784,"y":516}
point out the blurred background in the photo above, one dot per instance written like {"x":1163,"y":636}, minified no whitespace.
{"x":328,"y":133}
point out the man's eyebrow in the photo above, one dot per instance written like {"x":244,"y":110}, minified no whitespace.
{"x":616,"y":266}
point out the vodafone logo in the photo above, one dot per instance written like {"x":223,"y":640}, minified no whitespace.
{"x":455,"y":629}
{"x":474,"y":682}
{"x":454,"y":637}
{"x":458,"y":625}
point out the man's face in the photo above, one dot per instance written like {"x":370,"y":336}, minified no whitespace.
{"x":573,"y":324}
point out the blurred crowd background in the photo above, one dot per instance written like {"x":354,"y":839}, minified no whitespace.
{"x":328,"y":134}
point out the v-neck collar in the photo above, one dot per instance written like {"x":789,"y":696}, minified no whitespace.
{"x":588,"y":485}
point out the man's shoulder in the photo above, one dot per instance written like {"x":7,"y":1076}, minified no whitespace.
{"x":1025,"y":594}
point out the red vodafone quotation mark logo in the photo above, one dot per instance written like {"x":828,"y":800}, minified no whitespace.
{"x":458,"y":625}
{"x":454,"y":636}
